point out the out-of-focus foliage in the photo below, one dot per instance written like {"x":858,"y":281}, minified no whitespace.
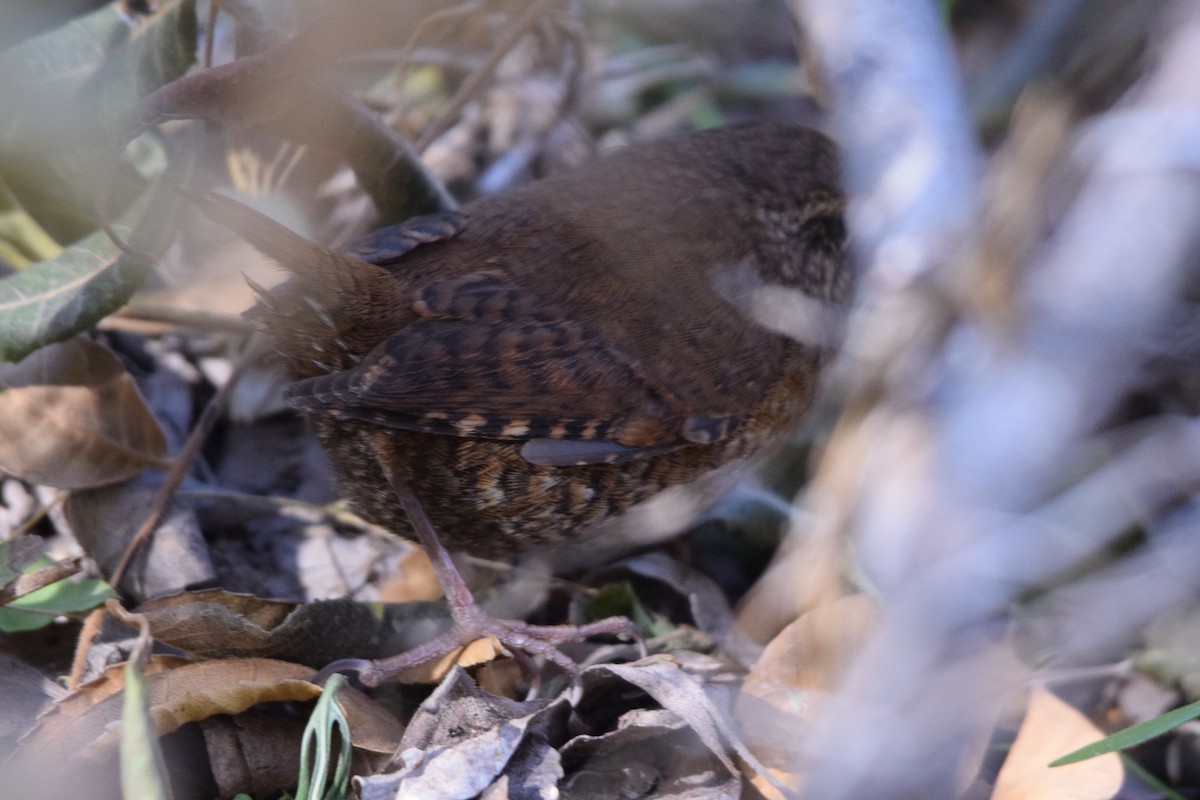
{"x":66,"y":168}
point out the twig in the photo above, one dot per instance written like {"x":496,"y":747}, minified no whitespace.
{"x":38,"y":515}
{"x":35,"y":580}
{"x":403,"y":58}
{"x":185,"y":317}
{"x":476,"y":80}
{"x":91,"y":627}
{"x":162,"y":499}
{"x":141,"y":256}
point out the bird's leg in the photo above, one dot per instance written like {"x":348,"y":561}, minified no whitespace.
{"x":470,"y":622}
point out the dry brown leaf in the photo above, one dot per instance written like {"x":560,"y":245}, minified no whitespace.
{"x":108,"y":683}
{"x":74,"y":745}
{"x":86,"y":722}
{"x":651,"y":753}
{"x":72,"y":417}
{"x":255,"y":752}
{"x":664,"y":679}
{"x":217,"y":624}
{"x":25,"y":693}
{"x":799,"y":666}
{"x":480,"y":651}
{"x":767,"y":789}
{"x":464,"y":742}
{"x":412,"y":579}
{"x":1051,"y":730}
{"x":213,"y":623}
{"x":812,"y":653}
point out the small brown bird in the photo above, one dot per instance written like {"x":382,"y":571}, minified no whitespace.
{"x":541,"y":360}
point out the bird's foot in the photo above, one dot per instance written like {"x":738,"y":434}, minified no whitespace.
{"x":470,"y":623}
{"x":521,"y":638}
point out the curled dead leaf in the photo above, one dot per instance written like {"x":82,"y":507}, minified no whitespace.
{"x":74,"y":746}
{"x":72,"y":417}
{"x":84,"y":722}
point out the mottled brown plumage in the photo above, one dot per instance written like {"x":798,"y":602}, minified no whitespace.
{"x":543,"y":359}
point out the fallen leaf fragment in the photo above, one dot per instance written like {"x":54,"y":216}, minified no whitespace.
{"x":412,"y":579}
{"x":463,"y":741}
{"x":651,"y":753}
{"x":795,"y":671}
{"x":84,"y":722}
{"x":213,"y":623}
{"x":1052,"y":729}
{"x":72,"y":417}
{"x":813,"y":653}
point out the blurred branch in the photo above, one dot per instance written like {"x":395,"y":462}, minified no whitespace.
{"x":993,"y":97}
{"x":1083,"y":622}
{"x":961,"y":429}
{"x":910,"y":164}
{"x":474,"y":82}
{"x":283,"y":91}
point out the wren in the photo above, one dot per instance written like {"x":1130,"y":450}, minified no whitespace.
{"x":514,"y":371}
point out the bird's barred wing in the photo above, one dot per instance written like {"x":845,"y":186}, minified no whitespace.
{"x":487,"y":360}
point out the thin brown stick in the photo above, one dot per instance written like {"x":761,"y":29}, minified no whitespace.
{"x":91,"y":627}
{"x":403,"y":59}
{"x":137,"y":255}
{"x":475,"y":80}
{"x":140,"y":653}
{"x":162,"y":499}
{"x":38,"y":515}
{"x":185,"y":317}
{"x":32,"y":581}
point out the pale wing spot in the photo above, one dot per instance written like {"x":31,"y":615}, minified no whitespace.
{"x":470,"y":423}
{"x":516,"y":428}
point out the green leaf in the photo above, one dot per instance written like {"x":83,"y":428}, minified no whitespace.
{"x":619,"y":600}
{"x":53,"y":300}
{"x":67,"y":101}
{"x":1150,"y":779}
{"x":1133,"y":736}
{"x":22,"y":240}
{"x":93,"y":70}
{"x":38,"y":609}
{"x":143,"y":770}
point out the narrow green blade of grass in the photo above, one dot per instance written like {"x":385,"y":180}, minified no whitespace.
{"x":143,"y":771}
{"x":1150,"y":780}
{"x":1132,"y":736}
